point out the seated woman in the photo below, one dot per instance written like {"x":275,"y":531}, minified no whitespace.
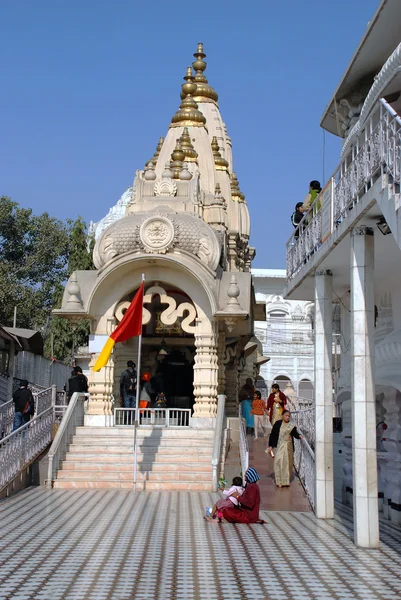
{"x":247,"y":509}
{"x":282,"y":438}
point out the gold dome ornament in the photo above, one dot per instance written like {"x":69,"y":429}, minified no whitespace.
{"x":220,"y":163}
{"x":154,"y":158}
{"x":188,"y":114}
{"x":177,"y":160}
{"x":204,"y":92}
{"x":235,"y":191}
{"x":186,"y":144}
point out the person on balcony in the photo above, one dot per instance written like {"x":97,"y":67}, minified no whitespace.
{"x":128,"y":386}
{"x":297,"y":217}
{"x":282,"y":438}
{"x":310,"y":201}
{"x":245,"y":398}
{"x":247,"y":509}
{"x":24,"y":405}
{"x":276,"y":404}
{"x":259,"y":410}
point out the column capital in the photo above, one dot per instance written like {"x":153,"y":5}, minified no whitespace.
{"x":323,"y":272}
{"x":362,"y":230}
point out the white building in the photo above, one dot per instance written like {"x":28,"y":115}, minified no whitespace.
{"x":286,"y":334}
{"x":349,"y":253}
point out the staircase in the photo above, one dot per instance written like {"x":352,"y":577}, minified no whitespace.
{"x":168,"y":459}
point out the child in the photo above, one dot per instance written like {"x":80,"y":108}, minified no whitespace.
{"x":229,"y":499}
{"x":297,"y":217}
{"x":259,"y":410}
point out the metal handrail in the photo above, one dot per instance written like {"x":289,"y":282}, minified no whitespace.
{"x":243,"y":444}
{"x":73,"y":418}
{"x":221,"y":403}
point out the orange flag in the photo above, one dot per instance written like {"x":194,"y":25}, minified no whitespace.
{"x":130,"y":326}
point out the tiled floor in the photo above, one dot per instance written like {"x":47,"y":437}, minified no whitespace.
{"x":115,"y":545}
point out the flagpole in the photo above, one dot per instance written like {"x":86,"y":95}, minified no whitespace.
{"x":138,"y":383}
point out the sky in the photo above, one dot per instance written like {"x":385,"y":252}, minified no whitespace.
{"x":89,"y":86}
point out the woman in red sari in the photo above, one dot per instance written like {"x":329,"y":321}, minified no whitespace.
{"x":247,"y":510}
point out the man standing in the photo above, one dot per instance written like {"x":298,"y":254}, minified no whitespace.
{"x":24,"y":405}
{"x":128,"y":386}
{"x":82,"y":378}
{"x":76,"y":383}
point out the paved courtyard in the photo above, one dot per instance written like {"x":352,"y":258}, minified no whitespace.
{"x":104,"y":545}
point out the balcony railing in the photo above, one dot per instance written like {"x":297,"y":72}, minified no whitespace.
{"x":377,"y":151}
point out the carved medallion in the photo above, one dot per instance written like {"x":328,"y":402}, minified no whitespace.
{"x":165,"y":187}
{"x":157,"y":234}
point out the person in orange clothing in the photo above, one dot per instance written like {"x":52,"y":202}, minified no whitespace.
{"x":259,"y":410}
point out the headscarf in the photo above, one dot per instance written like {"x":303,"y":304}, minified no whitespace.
{"x":251,"y":475}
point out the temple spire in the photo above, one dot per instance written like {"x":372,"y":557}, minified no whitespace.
{"x":188,"y":113}
{"x":204,"y":92}
{"x":186,"y":145}
{"x":220,"y":163}
{"x":154,"y":158}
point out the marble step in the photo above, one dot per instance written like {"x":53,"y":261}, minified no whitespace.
{"x":148,"y":486}
{"x":147,"y":441}
{"x":100,"y":466}
{"x":115,"y":475}
{"x":129,"y":449}
{"x":125,"y":457}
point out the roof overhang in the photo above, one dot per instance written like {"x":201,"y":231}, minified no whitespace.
{"x":381,"y":37}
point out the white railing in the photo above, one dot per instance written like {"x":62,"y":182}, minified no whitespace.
{"x":43,"y":399}
{"x":376,"y":151}
{"x":221,"y":403}
{"x":73,"y":418}
{"x":6,"y":418}
{"x":304,"y":463}
{"x":243,"y":444}
{"x":22,"y":446}
{"x":156,"y":417}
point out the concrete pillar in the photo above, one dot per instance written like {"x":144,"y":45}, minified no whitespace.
{"x":205,"y":373}
{"x":364,"y":460}
{"x":324,"y":475}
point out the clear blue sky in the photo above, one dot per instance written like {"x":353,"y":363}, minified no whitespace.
{"x":88,"y":86}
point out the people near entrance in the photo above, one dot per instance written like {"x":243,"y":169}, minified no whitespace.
{"x":24,"y":405}
{"x":161,"y":400}
{"x":276,"y":404}
{"x":146,"y":391}
{"x":282,"y":438}
{"x":310,"y":201}
{"x":128,"y":386}
{"x":245,"y":397}
{"x":76,"y":383}
{"x":259,"y":410}
{"x":247,"y":509}
{"x":297,"y":217}
{"x":229,"y":499}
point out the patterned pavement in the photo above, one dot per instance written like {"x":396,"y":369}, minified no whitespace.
{"x":117,"y":545}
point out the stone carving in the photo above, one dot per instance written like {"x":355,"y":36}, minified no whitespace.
{"x":205,"y":250}
{"x":170,"y":314}
{"x":74,"y":291}
{"x":157,"y":234}
{"x":165,"y":187}
{"x":109,"y":250}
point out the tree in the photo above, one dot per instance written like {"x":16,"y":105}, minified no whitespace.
{"x":34,"y":254}
{"x":62,"y":339}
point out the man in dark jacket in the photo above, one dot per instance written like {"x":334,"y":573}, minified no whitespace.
{"x":24,"y":405}
{"x":82,"y":377}
{"x":128,"y":386}
{"x":76,"y":383}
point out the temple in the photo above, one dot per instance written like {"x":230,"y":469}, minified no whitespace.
{"x":185,"y":225}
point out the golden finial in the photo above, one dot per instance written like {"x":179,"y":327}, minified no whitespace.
{"x":235,"y":191}
{"x":220,"y":163}
{"x":177,"y":159}
{"x":188,"y":113}
{"x":204,"y":92}
{"x":153,"y":160}
{"x":186,"y":144}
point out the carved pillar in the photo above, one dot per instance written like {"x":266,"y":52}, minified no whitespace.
{"x":221,"y":351}
{"x":100,"y":407}
{"x":205,"y":371}
{"x":232,"y":388}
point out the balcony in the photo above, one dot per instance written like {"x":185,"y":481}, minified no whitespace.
{"x":363,"y":189}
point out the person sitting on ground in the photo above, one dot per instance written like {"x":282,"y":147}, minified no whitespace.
{"x":128,"y":386}
{"x":310,"y":200}
{"x":259,"y":410}
{"x":282,"y":438}
{"x":247,"y":510}
{"x":297,"y":217}
{"x":228,"y":500}
{"x":24,"y":405}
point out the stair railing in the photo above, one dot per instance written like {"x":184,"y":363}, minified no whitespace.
{"x":73,"y":418}
{"x":221,"y":403}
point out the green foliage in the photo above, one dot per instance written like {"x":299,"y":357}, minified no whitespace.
{"x":37,"y":255}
